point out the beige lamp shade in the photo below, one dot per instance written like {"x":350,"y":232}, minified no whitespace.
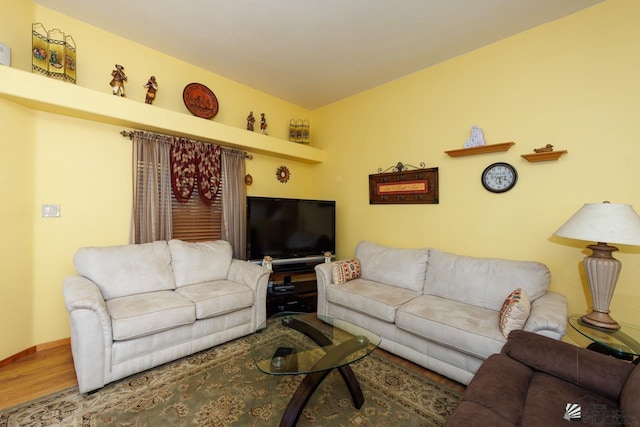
{"x":603,"y":222}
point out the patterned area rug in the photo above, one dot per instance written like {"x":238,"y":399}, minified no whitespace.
{"x":222,"y":387}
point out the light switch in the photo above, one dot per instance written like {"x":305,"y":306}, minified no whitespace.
{"x":51,"y":211}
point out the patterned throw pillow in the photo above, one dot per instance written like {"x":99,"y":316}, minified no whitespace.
{"x":515,"y":311}
{"x":344,"y":271}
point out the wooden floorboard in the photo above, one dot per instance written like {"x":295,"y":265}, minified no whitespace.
{"x":51,"y":369}
{"x":35,"y":375}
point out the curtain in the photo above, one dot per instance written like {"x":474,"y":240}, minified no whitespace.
{"x":151,"y":212}
{"x":191,"y":161}
{"x":234,"y":194}
{"x":163,"y":163}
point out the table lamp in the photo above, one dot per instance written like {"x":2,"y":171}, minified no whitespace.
{"x":602,"y":222}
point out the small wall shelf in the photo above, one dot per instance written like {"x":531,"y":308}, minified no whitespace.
{"x":544,"y":156}
{"x":480,"y":150}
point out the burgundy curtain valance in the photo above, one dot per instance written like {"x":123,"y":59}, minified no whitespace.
{"x":193,"y":161}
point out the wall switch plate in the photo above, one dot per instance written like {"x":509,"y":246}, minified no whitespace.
{"x":51,"y":211}
{"x":5,"y":55}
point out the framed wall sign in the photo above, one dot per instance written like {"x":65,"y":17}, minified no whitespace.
{"x":404,"y":187}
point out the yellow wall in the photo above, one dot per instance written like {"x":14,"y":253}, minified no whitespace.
{"x":16,"y":251}
{"x":85,"y":167}
{"x":572,"y":83}
{"x":16,"y":198}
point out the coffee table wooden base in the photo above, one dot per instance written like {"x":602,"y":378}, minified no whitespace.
{"x":309,"y":386}
{"x":324,"y":366}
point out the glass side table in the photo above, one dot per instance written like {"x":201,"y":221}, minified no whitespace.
{"x":623,"y":343}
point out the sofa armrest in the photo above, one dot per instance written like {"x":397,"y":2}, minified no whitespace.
{"x":257,"y":278}
{"x":548,"y":316}
{"x":91,"y":333}
{"x":81,"y":293}
{"x":248,"y":274}
{"x":323,"y":279}
{"x":597,"y":372}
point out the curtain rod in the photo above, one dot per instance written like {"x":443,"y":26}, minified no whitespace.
{"x":129,"y":134}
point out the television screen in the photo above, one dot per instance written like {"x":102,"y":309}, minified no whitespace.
{"x":289,"y":228}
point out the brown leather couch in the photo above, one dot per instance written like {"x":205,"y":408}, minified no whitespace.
{"x":538,"y":381}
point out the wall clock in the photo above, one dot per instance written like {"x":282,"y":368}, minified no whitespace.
{"x":499,"y":177}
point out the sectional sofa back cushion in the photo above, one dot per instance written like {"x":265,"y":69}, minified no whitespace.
{"x":483,"y":282}
{"x":121,"y":271}
{"x":200,"y":262}
{"x":400,"y":267}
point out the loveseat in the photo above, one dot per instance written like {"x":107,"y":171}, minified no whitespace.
{"x":134,"y":307}
{"x":537,"y":381}
{"x":438,"y":309}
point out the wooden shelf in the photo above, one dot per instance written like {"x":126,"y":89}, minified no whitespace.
{"x":480,"y":150}
{"x":545,"y":156}
{"x":53,"y":96}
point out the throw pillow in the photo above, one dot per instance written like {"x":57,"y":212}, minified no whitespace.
{"x":344,"y":271}
{"x":515,"y":311}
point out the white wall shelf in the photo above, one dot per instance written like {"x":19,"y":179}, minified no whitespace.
{"x":46,"y":94}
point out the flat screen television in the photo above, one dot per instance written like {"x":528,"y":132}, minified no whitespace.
{"x":290,"y":229}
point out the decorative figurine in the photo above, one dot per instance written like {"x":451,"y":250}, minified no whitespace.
{"x":117,"y":82}
{"x":544,"y":149}
{"x":267,"y":262}
{"x":263,"y":124}
{"x":476,"y":139}
{"x":250,"y":121}
{"x":152,"y":87}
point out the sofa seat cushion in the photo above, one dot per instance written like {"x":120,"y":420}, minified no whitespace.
{"x":200,"y":262}
{"x":144,"y":314}
{"x":125,"y":270}
{"x":483,"y":282}
{"x":399,"y":267}
{"x":371,"y":298}
{"x":466,"y":328}
{"x":217,"y":298}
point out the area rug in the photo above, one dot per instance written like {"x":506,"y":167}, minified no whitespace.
{"x":222,"y":387}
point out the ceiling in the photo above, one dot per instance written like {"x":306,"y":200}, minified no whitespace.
{"x":315,"y":52}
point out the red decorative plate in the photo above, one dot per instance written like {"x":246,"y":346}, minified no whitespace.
{"x":200,"y":100}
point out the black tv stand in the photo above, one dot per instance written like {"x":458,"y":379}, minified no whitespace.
{"x":293,"y":287}
{"x":294,"y":268}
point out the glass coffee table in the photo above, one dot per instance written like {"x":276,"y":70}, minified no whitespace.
{"x":304,"y":343}
{"x":623,"y":343}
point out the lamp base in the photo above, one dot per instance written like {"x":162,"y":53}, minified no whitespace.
{"x":601,"y":320}
{"x":602,"y":271}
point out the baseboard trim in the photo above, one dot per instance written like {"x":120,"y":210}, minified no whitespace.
{"x":34,"y":349}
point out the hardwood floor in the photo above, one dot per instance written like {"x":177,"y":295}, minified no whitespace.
{"x":35,"y":375}
{"x":47,"y":371}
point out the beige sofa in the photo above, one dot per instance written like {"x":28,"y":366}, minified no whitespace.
{"x":134,"y":307}
{"x":438,"y":309}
